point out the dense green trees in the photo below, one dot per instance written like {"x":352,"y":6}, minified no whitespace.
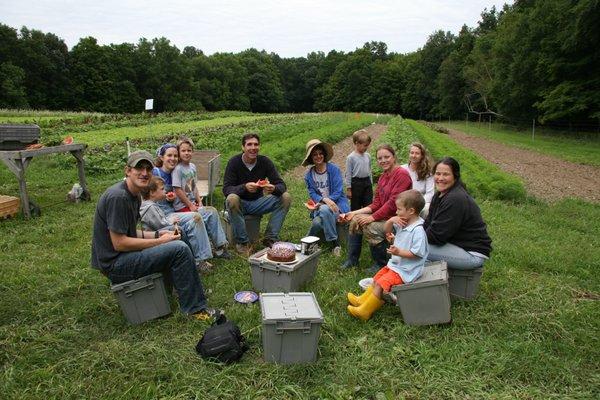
{"x":534,"y":59}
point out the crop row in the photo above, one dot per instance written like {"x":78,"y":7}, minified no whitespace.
{"x":282,"y":136}
{"x":483,"y":179}
{"x":289,"y":150}
{"x":399,"y":135}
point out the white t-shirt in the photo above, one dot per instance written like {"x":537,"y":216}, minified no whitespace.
{"x":425,"y":187}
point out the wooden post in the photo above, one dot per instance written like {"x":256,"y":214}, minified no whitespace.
{"x":78,"y":154}
{"x":533,"y":131}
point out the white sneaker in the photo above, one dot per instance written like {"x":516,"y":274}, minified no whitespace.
{"x":337,"y":251}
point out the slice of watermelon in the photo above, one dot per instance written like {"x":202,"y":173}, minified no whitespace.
{"x":263,"y":182}
{"x":311,"y":205}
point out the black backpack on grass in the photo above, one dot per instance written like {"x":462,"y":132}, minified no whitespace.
{"x":223,"y":341}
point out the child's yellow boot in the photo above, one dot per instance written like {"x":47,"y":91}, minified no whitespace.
{"x":358,"y":300}
{"x":367,"y":308}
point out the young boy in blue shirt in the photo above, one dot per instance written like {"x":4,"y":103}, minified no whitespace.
{"x":409,"y":253}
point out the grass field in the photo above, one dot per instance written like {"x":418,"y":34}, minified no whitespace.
{"x":532,"y":333}
{"x":579,"y":149}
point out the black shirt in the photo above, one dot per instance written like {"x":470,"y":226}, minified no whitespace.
{"x":455,"y":218}
{"x":237,"y":175}
{"x":118,"y":210}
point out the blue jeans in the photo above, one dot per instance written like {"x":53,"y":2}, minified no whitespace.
{"x":212,"y":222}
{"x":237,"y":207}
{"x":324,"y":219}
{"x":175,"y":261}
{"x":456,"y":257}
{"x":196,"y":234}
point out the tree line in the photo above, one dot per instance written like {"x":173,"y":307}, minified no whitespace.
{"x":532,"y":59}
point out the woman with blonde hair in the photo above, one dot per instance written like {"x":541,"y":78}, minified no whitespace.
{"x":419,"y":168}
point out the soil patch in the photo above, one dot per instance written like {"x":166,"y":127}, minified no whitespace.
{"x":341,"y":151}
{"x":546,"y":177}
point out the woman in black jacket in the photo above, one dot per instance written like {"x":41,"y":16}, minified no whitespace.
{"x":455,"y":229}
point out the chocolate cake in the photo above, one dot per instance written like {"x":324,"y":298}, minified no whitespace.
{"x":282,"y":252}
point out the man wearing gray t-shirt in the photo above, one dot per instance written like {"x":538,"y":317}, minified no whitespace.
{"x":123,"y":253}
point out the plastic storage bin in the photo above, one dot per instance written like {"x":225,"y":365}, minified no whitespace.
{"x":252,"y":228}
{"x":271,"y":276}
{"x":427,"y":300}
{"x":291,"y":325}
{"x":17,"y":137}
{"x":464,"y":283}
{"x":142,"y":299}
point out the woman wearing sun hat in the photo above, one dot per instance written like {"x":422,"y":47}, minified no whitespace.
{"x":325,"y":184}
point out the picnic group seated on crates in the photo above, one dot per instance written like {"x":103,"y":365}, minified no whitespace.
{"x":453,"y":231}
{"x":252,"y":186}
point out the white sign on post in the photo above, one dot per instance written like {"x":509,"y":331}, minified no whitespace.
{"x":149,"y":104}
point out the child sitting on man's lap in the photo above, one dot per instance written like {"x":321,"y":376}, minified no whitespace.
{"x":192,"y":232}
{"x":409,"y":253}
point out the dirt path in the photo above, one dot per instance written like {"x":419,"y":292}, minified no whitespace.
{"x":546,"y":177}
{"x":341,"y":151}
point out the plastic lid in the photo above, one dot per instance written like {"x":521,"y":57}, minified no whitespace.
{"x":292,"y":306}
{"x":120,"y":286}
{"x":310,"y":239}
{"x":433,"y":274}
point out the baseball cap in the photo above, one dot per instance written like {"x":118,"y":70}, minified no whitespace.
{"x":137,"y":156}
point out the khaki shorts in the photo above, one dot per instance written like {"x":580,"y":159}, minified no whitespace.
{"x":374,"y":233}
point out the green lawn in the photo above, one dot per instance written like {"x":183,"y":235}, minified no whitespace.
{"x":531,"y":333}
{"x":577,"y":150}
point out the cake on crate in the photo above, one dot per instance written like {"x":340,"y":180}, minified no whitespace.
{"x":282,"y":252}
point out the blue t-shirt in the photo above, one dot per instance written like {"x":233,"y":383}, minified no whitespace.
{"x":165,"y":205}
{"x":414,"y":239}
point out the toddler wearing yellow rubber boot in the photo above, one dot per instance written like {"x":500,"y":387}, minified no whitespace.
{"x":409,"y":252}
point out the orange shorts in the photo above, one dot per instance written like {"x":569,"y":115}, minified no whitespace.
{"x":386,"y":278}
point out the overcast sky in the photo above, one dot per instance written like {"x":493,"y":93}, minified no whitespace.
{"x":290,"y":28}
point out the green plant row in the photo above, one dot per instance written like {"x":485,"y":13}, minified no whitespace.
{"x":112,"y":121}
{"x":289,"y":151}
{"x":483,"y":179}
{"x":224,"y":137}
{"x":58,"y":123}
{"x":398,"y":135}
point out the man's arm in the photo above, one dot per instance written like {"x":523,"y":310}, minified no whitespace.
{"x":230,"y":180}
{"x":123,"y":243}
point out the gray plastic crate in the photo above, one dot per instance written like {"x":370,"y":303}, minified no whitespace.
{"x":17,"y":137}
{"x":291,"y":325}
{"x":464,"y":283}
{"x":271,"y":276}
{"x":252,"y":228}
{"x":142,"y":299}
{"x":426,"y":301}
